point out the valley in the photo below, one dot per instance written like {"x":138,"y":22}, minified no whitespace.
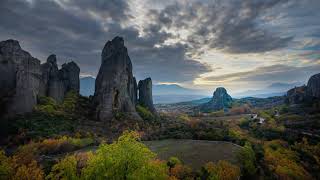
{"x":51,"y":131}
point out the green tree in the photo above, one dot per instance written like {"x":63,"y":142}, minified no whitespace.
{"x":5,"y":167}
{"x":127,"y":158}
{"x":247,"y":158}
{"x":66,"y":169}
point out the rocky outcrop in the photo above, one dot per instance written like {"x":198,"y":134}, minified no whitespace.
{"x":221,"y":100}
{"x":304,"y":93}
{"x":313,"y":87}
{"x":23,"y":79}
{"x":56,"y":83}
{"x":145,"y":94}
{"x":19,"y":79}
{"x":296,"y":95}
{"x":69,"y":75}
{"x":115,"y":83}
{"x":51,"y":83}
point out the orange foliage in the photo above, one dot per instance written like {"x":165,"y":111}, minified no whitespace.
{"x":223,"y":170}
{"x":180,"y":171}
{"x":283,"y":162}
{"x":29,"y":172}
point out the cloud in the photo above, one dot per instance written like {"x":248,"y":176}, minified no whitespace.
{"x":167,"y":40}
{"x":78,"y":29}
{"x":231,"y":26}
{"x":269,"y":74}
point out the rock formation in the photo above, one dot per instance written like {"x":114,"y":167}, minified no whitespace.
{"x":313,"y":87}
{"x":56,"y":83}
{"x":114,"y":87}
{"x":51,"y":84}
{"x":296,"y":95}
{"x":19,"y":79}
{"x":23,"y":79}
{"x":220,"y":100}
{"x":69,"y":74}
{"x":145,"y":94}
{"x":305,"y":93}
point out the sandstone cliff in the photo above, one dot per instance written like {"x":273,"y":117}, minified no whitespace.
{"x":145,"y":94}
{"x":23,"y":79}
{"x":19,"y":79}
{"x":305,"y":93}
{"x":220,"y":100}
{"x":115,"y":83}
{"x":313,"y":87}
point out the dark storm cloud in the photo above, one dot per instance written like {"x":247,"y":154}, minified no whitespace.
{"x":78,"y":29}
{"x":229,"y":25}
{"x":274,"y":73}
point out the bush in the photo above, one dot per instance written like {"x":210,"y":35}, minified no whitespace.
{"x":173,"y":161}
{"x":65,"y":169}
{"x":217,"y":113}
{"x":144,"y":113}
{"x":283,"y":162}
{"x":223,"y":170}
{"x":6,"y":169}
{"x":17,"y":167}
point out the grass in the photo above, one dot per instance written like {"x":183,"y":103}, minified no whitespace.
{"x":195,"y":153}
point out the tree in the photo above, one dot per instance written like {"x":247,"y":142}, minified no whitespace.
{"x":247,"y":159}
{"x":126,"y":158}
{"x":65,"y":169}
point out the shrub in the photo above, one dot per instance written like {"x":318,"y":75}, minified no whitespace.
{"x":144,"y":113}
{"x":217,"y":113}
{"x":283,"y":162}
{"x":223,"y":170}
{"x":65,"y":169}
{"x":181,"y":171}
{"x":173,"y":161}
{"x":17,"y":167}
{"x":29,"y":171}
{"x":6,"y":169}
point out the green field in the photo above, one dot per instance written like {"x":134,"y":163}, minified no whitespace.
{"x":194,"y":153}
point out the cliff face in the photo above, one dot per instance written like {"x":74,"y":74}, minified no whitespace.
{"x":313,"y":87}
{"x":145,"y":94}
{"x":69,"y":75}
{"x":19,"y":79}
{"x":56,"y":83}
{"x":23,"y":79}
{"x":305,"y":93}
{"x":115,"y":83}
{"x":220,"y":100}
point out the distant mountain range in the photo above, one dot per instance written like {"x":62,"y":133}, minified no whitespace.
{"x":173,"y":93}
{"x":87,"y":86}
{"x":162,"y":93}
{"x":275,"y":89}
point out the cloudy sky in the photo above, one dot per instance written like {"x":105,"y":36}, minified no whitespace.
{"x":241,"y":45}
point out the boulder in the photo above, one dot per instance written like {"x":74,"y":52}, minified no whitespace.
{"x":145,"y":94}
{"x":115,"y":83}
{"x":313,"y":86}
{"x":221,"y":100}
{"x":19,"y":79}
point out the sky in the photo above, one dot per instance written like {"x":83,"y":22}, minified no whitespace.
{"x":200,"y":44}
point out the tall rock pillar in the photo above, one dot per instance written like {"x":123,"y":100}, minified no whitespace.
{"x":115,"y":82}
{"x":145,"y":94}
